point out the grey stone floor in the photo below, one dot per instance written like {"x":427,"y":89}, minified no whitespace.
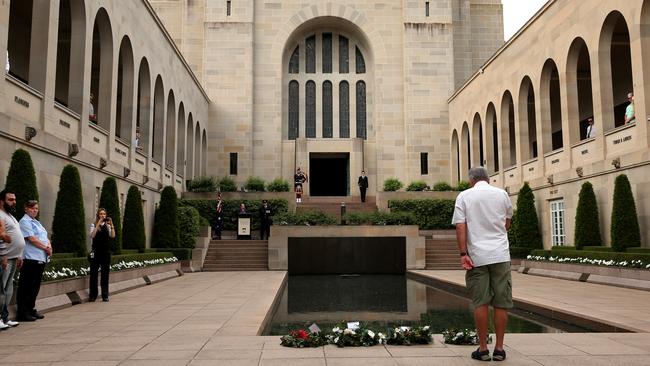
{"x":213,"y":319}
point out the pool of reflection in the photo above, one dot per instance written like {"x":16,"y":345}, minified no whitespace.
{"x":382,"y":301}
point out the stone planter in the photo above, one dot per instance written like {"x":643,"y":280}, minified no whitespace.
{"x":615,"y":276}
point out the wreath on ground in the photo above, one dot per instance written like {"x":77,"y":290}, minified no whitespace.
{"x":462,"y":337}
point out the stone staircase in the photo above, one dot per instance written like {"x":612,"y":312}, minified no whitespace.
{"x":237,"y":255}
{"x":441,"y":250}
{"x":332,"y":205}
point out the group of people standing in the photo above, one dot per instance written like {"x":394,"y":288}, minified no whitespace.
{"x":26,"y":248}
{"x":265,"y":216}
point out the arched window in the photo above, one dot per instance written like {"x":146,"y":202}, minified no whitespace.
{"x":551,"y":107}
{"x":180,"y":142}
{"x":70,"y":54}
{"x":294,"y":110}
{"x":197,"y":150}
{"x":361,"y":110}
{"x":101,"y":78}
{"x":492,"y":138}
{"x":465,"y":151}
{"x":615,"y":69}
{"x":508,"y":144}
{"x":527,"y":119}
{"x":310,"y":110}
{"x":455,"y":158}
{"x":344,"y":109}
{"x":327,"y":110}
{"x":170,"y":131}
{"x":158,"y":120}
{"x":313,"y":112}
{"x":143,"y":111}
{"x":27,"y":40}
{"x":189,"y":155}
{"x":124,"y":105}
{"x":204,"y":153}
{"x":579,"y":93}
{"x":477,"y":141}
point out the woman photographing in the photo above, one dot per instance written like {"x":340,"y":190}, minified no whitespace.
{"x":101,"y":232}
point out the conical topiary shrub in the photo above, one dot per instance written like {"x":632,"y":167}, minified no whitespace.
{"x":165,"y":226}
{"x":68,"y":227}
{"x":527,"y":230}
{"x":110,"y":202}
{"x":133,"y":234}
{"x":21,"y":180}
{"x":625,"y":223}
{"x":587,"y":227}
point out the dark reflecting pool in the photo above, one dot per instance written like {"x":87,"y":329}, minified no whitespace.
{"x":382,"y":301}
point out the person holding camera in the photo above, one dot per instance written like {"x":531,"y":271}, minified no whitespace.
{"x":100,"y":256}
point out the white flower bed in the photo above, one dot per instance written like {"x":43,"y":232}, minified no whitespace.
{"x":64,"y":272}
{"x":635,"y":263}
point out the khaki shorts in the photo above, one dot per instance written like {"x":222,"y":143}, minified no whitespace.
{"x":490,"y":284}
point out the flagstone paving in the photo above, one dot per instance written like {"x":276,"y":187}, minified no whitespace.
{"x":213,"y":318}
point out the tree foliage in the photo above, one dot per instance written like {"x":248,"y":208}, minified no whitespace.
{"x":133,"y":234}
{"x":527,"y":234}
{"x":587,"y":225}
{"x":165,"y":226}
{"x":110,"y":202}
{"x":625,"y":222}
{"x":68,"y":226}
{"x":21,"y":180}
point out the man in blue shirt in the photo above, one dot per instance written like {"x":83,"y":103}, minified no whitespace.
{"x":37,"y":252}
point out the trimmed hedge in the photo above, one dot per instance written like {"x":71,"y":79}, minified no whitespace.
{"x":519,"y":253}
{"x":181,"y":254}
{"x":278,"y":185}
{"x":207,"y":210}
{"x":309,"y":218}
{"x":637,"y":250}
{"x":109,"y":201}
{"x":255,"y":184}
{"x":442,"y":186}
{"x":526,"y":232}
{"x":597,"y":249}
{"x":380,"y":218}
{"x":82,"y":262}
{"x":563,"y":247}
{"x":21,"y":180}
{"x":202,"y":184}
{"x":417,"y":186}
{"x":133,"y":234}
{"x":165,"y":226}
{"x":587,"y":225}
{"x":625,"y":222}
{"x":392,"y":185}
{"x":227,"y":184}
{"x":68,"y":226}
{"x":62,"y":255}
{"x":463,"y":185}
{"x":428,"y":213}
{"x":188,"y":225}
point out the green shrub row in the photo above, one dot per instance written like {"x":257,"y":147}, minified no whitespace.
{"x":380,"y":218}
{"x":310,"y":218}
{"x":180,"y":253}
{"x":82,"y":262}
{"x":594,"y":248}
{"x":393,"y":184}
{"x":227,"y":184}
{"x":637,"y":250}
{"x":519,"y":253}
{"x":429,"y":213}
{"x":207,"y":210}
{"x":202,"y":184}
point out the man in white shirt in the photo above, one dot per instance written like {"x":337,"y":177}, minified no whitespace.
{"x":482,"y":216}
{"x":14,"y":253}
{"x":591,"y":130}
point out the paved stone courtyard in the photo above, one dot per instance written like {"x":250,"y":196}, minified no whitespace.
{"x":213,"y":318}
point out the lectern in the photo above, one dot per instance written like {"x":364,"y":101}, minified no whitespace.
{"x":244,"y":226}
